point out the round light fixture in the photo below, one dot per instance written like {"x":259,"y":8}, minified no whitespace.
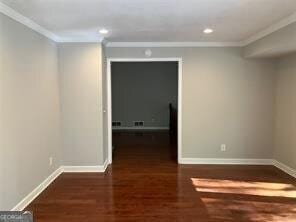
{"x":104,"y":31}
{"x":208,"y":31}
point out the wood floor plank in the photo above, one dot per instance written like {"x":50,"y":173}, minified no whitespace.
{"x":144,"y":183}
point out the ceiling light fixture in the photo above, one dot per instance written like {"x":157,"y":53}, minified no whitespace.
{"x":104,"y":31}
{"x":208,"y":31}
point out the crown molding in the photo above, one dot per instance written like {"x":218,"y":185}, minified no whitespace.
{"x":271,"y":29}
{"x":79,"y":40}
{"x":26,"y":21}
{"x":4,"y":9}
{"x":174,"y":44}
{"x":34,"y":26}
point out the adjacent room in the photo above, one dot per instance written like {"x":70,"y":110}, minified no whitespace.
{"x":144,"y":111}
{"x":127,"y":110}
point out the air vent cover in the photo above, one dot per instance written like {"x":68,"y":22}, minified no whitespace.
{"x":116,"y":123}
{"x":138,"y":123}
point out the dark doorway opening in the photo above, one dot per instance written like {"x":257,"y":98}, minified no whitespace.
{"x":144,"y":111}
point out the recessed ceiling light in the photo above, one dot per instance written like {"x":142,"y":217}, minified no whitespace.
{"x":208,"y":31}
{"x":104,"y":31}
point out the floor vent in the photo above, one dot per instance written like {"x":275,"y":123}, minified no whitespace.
{"x":138,"y":123}
{"x":116,"y":123}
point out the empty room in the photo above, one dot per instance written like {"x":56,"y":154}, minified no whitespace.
{"x":160,"y":110}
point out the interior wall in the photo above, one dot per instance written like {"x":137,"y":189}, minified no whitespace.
{"x":30,"y":114}
{"x":285,"y":115}
{"x":227,"y":99}
{"x":80,"y":69}
{"x":142,"y":91}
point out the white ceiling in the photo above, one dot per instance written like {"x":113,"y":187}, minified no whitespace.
{"x":155,"y":20}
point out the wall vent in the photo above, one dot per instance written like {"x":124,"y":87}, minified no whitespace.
{"x":138,"y":123}
{"x":116,"y":123}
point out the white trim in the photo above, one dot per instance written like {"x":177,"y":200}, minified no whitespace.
{"x":31,"y":196}
{"x":174,"y":44}
{"x":225,"y":161}
{"x":285,"y":168}
{"x":86,"y":169}
{"x":105,"y":165}
{"x":27,"y":22}
{"x":109,"y":97}
{"x":109,"y":113}
{"x":271,"y":29}
{"x":180,"y":108}
{"x":83,"y":169}
{"x":80,"y":40}
{"x":170,"y":59}
{"x":141,"y":128}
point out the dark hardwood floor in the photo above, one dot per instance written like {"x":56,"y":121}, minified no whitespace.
{"x":145,"y":183}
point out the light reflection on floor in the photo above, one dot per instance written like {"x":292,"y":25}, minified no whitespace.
{"x":243,"y":187}
{"x":249,"y":201}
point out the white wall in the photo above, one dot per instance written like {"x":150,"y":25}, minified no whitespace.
{"x":80,"y":69}
{"x":226,"y":99}
{"x":142,"y":91}
{"x":285,"y":115}
{"x":30,"y":115}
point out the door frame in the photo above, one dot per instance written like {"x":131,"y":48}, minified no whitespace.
{"x":109,"y":98}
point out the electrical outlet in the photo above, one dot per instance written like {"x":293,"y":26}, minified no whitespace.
{"x":50,"y":161}
{"x":223,"y":147}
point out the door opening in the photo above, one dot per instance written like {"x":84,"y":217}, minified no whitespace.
{"x":141,"y":91}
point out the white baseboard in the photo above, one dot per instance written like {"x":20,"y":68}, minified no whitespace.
{"x":141,"y":128}
{"x":73,"y":169}
{"x":31,"y":196}
{"x":285,"y":168}
{"x":83,"y":169}
{"x":226,"y":161}
{"x":213,"y":161}
{"x":86,"y":169}
{"x":105,"y":164}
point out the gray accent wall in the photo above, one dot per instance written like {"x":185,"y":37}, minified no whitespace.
{"x":285,"y":115}
{"x":29,"y":111}
{"x":142,"y":91}
{"x":226,"y":99}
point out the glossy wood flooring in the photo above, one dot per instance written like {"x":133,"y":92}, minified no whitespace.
{"x":145,"y":184}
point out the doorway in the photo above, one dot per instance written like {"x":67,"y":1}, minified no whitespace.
{"x":119,"y":120}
